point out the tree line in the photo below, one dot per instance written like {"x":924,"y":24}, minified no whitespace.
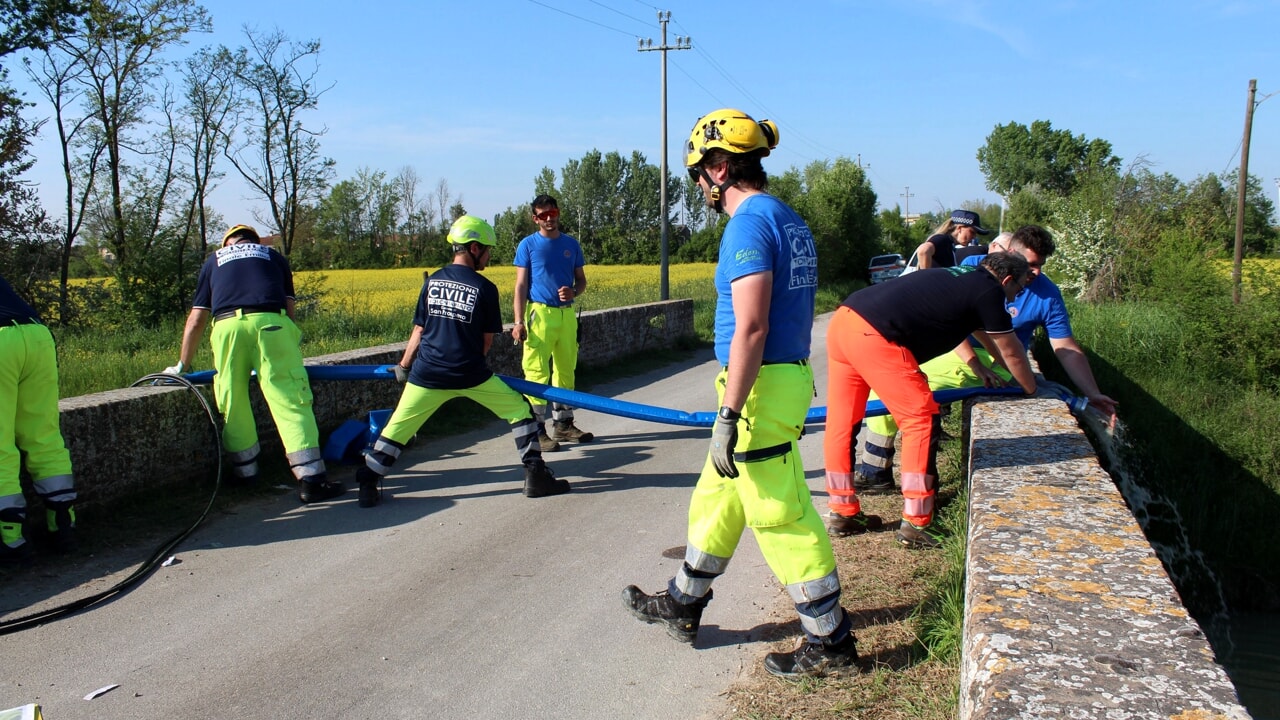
{"x":144,"y":138}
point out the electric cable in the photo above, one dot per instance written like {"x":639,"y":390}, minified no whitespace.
{"x":150,"y":564}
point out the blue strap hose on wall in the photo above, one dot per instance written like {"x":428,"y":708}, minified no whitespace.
{"x":621,"y":408}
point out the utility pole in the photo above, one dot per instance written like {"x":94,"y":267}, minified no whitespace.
{"x":1243,"y":183}
{"x":906,"y":205}
{"x":646,"y":45}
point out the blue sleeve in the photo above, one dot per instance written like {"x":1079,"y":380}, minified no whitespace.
{"x":204,"y":288}
{"x":420,"y":314}
{"x":744,"y":249}
{"x":522,"y":254}
{"x":1057,"y":323}
{"x":972,"y":260}
{"x":285,"y":270}
{"x":493,"y":309}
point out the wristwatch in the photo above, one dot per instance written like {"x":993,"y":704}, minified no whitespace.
{"x":727,"y":413}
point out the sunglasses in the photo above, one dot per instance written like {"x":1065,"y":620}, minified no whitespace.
{"x":694,"y":174}
{"x":546,"y":215}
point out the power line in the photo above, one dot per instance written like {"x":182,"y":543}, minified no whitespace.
{"x":579,"y":17}
{"x":606,"y":7}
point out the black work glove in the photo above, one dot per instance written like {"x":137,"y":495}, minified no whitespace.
{"x":724,"y":436}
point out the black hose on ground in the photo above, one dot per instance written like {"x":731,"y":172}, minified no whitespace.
{"x":46,"y":616}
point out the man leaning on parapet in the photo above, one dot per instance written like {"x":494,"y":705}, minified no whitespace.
{"x":1039,"y":305}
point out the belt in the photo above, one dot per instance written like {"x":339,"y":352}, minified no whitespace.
{"x":759,"y":454}
{"x":556,"y":307}
{"x":22,"y":321}
{"x":246,"y":310}
{"x":801,"y":362}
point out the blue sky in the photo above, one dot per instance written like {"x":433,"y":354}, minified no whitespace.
{"x":485,"y":94}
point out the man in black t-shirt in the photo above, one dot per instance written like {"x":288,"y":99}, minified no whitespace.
{"x":877,"y":340}
{"x":453,"y":328}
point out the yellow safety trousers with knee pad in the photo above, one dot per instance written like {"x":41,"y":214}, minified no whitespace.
{"x":29,"y":423}
{"x":266,"y":343}
{"x":770,"y":495}
{"x":550,"y":350}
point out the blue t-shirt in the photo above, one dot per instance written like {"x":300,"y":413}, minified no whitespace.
{"x":244,"y":275}
{"x":456,"y":308}
{"x":766,"y":235}
{"x":1039,"y":304}
{"x":13,"y":307}
{"x":550,"y":262}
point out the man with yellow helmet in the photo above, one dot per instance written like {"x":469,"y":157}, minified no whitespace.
{"x":247,"y":288}
{"x":457,"y":317}
{"x":766,"y":279}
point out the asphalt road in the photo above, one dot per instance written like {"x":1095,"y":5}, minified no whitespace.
{"x":455,"y":598}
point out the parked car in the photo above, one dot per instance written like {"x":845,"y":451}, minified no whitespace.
{"x":885,"y":267}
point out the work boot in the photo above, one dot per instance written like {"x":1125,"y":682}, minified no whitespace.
{"x":319,"y":489}
{"x":60,"y":519}
{"x":545,"y":442}
{"x":864,"y":484}
{"x":14,"y":548}
{"x":370,"y":487}
{"x":681,"y":620}
{"x":539,"y":481}
{"x":845,"y":525}
{"x":567,"y":431}
{"x":814,"y":659}
{"x":927,"y":537}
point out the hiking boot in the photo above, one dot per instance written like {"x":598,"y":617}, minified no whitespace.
{"x":845,"y":525}
{"x":539,"y":481}
{"x":370,"y":487}
{"x":546,"y":443}
{"x":812,"y":659}
{"x":866,"y":485}
{"x":311,"y":491}
{"x":567,"y":431}
{"x":681,"y":620}
{"x":920,"y":538}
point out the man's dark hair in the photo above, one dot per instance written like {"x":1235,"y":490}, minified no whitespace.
{"x":543,"y":201}
{"x":745,"y":169}
{"x":1034,"y":238}
{"x":1007,"y":264}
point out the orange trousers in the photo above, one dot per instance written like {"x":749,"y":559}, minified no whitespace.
{"x":859,"y":360}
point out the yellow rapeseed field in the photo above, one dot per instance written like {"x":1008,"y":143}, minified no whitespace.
{"x":392,"y":290}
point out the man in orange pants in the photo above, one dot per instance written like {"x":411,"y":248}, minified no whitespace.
{"x":877,"y":340}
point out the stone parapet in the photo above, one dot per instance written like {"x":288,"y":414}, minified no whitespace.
{"x":1068,"y":611}
{"x":143,"y":439}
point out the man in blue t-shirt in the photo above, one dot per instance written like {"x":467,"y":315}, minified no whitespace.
{"x":549,"y":277}
{"x":457,"y":317}
{"x":1039,"y":305}
{"x":753,"y":477}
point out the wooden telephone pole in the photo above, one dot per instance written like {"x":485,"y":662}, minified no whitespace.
{"x":1243,"y":184}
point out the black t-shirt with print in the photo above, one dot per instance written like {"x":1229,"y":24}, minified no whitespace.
{"x":456,"y":307}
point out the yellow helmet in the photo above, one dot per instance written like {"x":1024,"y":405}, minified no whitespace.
{"x":469,"y":228}
{"x":730,"y":130}
{"x":237,"y":230}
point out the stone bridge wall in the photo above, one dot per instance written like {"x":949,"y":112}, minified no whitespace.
{"x":1068,"y":611}
{"x":143,"y":439}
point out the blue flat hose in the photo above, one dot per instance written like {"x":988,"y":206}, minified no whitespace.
{"x":610,"y":406}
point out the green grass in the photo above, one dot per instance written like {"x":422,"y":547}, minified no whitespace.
{"x":1200,"y":432}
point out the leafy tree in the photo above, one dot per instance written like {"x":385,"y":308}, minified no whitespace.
{"x":839,"y":206}
{"x":1015,"y":157}
{"x":276,"y":153}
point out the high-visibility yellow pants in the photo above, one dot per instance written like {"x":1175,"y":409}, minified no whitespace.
{"x":551,"y":354}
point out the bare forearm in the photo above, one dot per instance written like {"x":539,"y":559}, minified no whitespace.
{"x":411,"y":349}
{"x":192,"y":333}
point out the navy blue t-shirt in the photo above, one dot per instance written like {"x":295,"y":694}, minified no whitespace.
{"x":456,"y":308}
{"x":244,"y":275}
{"x":13,"y":307}
{"x":944,"y":250}
{"x":929,"y":312}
